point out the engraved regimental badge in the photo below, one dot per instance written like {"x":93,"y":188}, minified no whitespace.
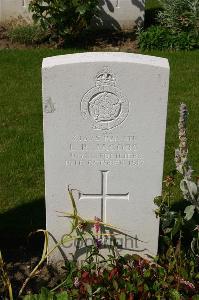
{"x":104,"y":105}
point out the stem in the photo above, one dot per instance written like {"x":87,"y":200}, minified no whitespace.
{"x":38,"y":265}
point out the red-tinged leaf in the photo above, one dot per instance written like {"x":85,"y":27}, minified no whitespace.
{"x":85,"y":275}
{"x":131,"y":296}
{"x":113,"y":273}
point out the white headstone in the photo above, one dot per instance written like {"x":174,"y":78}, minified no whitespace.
{"x":120,"y":14}
{"x":104,"y":135}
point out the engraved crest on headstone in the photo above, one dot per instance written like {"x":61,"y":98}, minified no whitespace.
{"x":104,"y":105}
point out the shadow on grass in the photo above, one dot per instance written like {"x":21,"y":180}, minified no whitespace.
{"x":15,"y":228}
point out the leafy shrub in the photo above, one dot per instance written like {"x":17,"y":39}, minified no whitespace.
{"x":180,"y":15}
{"x":130,"y":277}
{"x":28,"y":34}
{"x":178,"y":27}
{"x":158,"y":37}
{"x":63,"y":17}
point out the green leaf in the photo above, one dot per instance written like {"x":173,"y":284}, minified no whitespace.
{"x":196,"y":297}
{"x":189,"y":211}
{"x":168,"y":218}
{"x":62,"y":296}
{"x":129,"y":286}
{"x":45,"y":294}
{"x":174,"y":295}
{"x":115,"y":284}
{"x":158,"y":200}
{"x":97,"y":290}
{"x":89,"y":289}
{"x":122,"y":296}
{"x":192,"y":188}
{"x":147,"y":273}
{"x":30,"y":297}
{"x":177,"y":225}
{"x":81,"y":9}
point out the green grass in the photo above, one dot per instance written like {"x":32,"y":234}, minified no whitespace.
{"x":152,"y":4}
{"x":21,"y":142}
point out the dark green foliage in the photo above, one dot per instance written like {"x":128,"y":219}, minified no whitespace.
{"x":128,"y":277}
{"x":160,"y":38}
{"x":62,"y":17}
{"x":180,"y":15}
{"x":176,"y":27}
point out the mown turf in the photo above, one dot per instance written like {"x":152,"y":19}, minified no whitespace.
{"x":152,"y":4}
{"x":21,"y":142}
{"x":21,"y":147}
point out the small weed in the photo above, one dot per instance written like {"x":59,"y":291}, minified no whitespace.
{"x":28,"y":34}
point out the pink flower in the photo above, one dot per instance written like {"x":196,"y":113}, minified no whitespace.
{"x":76,"y":282}
{"x":187,"y":283}
{"x":97,"y":224}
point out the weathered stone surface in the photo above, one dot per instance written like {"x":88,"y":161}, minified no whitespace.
{"x":104,"y":134}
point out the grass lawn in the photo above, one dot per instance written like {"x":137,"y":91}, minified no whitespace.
{"x":152,"y":4}
{"x":21,"y":142}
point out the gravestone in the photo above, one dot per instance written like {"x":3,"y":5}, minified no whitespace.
{"x":10,"y":9}
{"x":120,"y":14}
{"x":104,"y":135}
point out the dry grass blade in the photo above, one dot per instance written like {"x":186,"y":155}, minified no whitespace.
{"x":5,"y":278}
{"x":43,"y":258}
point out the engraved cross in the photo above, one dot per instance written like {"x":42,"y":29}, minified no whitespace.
{"x":104,"y":196}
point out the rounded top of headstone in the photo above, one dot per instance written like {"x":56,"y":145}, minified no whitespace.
{"x":91,"y":57}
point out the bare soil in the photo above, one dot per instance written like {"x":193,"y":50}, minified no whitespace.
{"x":111,"y":41}
{"x":46,"y":276}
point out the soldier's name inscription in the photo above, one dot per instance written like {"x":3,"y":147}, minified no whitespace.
{"x":104,"y":150}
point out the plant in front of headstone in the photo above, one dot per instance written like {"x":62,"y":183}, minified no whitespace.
{"x":81,"y":231}
{"x":189,"y":188}
{"x":63,"y":18}
{"x":129,"y":277}
{"x":126,"y":277}
{"x":179,"y":235}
